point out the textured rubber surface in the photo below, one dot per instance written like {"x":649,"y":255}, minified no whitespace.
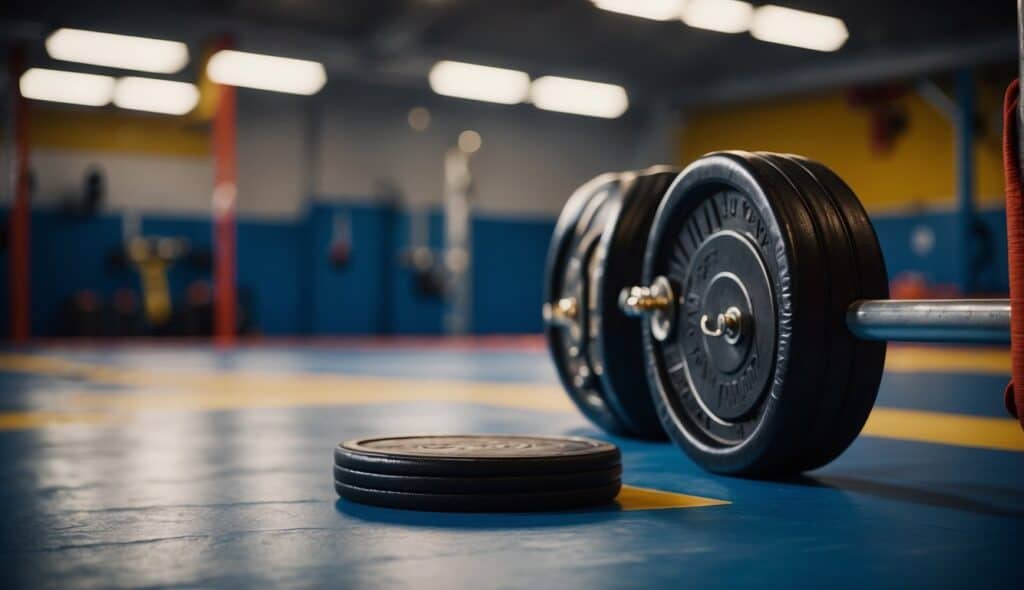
{"x":527,"y":502}
{"x":478,"y":485}
{"x":821,"y":254}
{"x":745,"y":190}
{"x":614,"y":345}
{"x":567,"y":274}
{"x":857,"y":271}
{"x":476,"y":455}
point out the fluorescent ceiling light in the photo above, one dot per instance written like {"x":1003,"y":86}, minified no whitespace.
{"x":652,"y":9}
{"x":266,"y":72}
{"x":156,"y":96}
{"x":117,"y":51}
{"x":579,"y":97}
{"x":69,"y":87}
{"x":787,"y":26}
{"x":475,"y":82}
{"x":724,"y":16}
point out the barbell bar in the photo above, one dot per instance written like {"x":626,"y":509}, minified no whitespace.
{"x":939,"y":321}
{"x":764,"y":312}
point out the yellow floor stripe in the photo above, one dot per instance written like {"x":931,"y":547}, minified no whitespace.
{"x":52,"y":366}
{"x":1002,"y":434}
{"x":229,"y":392}
{"x":30,"y":420}
{"x":148,"y":390}
{"x":634,"y":498}
{"x":900,"y":359}
{"x":935,"y":359}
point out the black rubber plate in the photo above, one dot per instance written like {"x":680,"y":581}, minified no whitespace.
{"x":748,"y":192}
{"x":572,"y":249}
{"x":615,"y":355}
{"x":870,"y":281}
{"x":529,"y":502}
{"x":836,"y":343}
{"x":476,"y":455}
{"x":478,"y":485}
{"x":823,"y":255}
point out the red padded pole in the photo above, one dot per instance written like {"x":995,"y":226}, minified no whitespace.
{"x":20,"y":217}
{"x":225,"y":195}
{"x":1015,"y":239}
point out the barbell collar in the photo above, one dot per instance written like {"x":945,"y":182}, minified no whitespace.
{"x":563,"y":312}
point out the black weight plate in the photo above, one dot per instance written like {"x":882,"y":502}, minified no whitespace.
{"x":576,"y":235}
{"x":870,"y":279}
{"x":837,"y":343}
{"x":476,"y":455}
{"x":615,"y":357}
{"x":735,"y":207}
{"x":529,"y":502}
{"x":478,"y":485}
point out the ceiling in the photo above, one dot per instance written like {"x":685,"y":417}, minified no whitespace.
{"x":395,"y":41}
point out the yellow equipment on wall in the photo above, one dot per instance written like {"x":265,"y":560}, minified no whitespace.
{"x":152,"y":257}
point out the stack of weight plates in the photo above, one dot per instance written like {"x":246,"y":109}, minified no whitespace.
{"x":478,"y":473}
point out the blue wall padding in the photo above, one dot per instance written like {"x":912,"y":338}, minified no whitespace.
{"x":269,"y":277}
{"x":411,"y":313}
{"x":360,"y":297}
{"x":508,"y":274}
{"x":284,"y":268}
{"x":69,"y":254}
{"x":347,"y":300}
{"x":939,"y":265}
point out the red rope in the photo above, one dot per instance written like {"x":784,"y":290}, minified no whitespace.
{"x":1015,"y":238}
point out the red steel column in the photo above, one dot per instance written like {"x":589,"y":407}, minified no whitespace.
{"x":225,"y":195}
{"x":20,"y":216}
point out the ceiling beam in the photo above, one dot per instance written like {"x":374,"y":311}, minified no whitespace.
{"x":880,"y":66}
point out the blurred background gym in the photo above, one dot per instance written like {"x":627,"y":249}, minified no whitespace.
{"x":340,"y":215}
{"x":311,"y":208}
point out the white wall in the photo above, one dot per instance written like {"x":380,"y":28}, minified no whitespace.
{"x":529,"y":164}
{"x":270,"y":173}
{"x":350,"y":140}
{"x":271,"y":160}
{"x":161,"y":184}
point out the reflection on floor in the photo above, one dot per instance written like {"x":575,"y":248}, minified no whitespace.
{"x":181,"y":465}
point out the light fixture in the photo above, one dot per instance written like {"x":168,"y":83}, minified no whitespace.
{"x":156,"y":96}
{"x":651,"y":9}
{"x":68,"y":87}
{"x":419,"y":118}
{"x":724,"y":16}
{"x":476,"y":82}
{"x":470,"y":141}
{"x":117,"y":51}
{"x":266,"y":72}
{"x":579,"y":97}
{"x":787,"y":26}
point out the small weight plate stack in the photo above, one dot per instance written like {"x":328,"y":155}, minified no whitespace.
{"x":478,"y":473}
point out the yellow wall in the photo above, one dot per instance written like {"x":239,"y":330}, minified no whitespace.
{"x":918,"y":171}
{"x":109,"y":130}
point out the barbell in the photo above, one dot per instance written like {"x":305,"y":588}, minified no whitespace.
{"x":598,"y":242}
{"x":739,"y":306}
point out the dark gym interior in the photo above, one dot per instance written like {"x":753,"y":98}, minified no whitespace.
{"x":715,"y":293}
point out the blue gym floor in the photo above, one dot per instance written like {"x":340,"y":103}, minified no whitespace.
{"x":177,"y":465}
